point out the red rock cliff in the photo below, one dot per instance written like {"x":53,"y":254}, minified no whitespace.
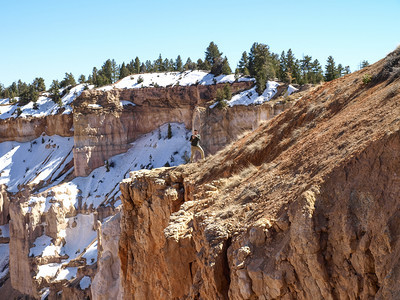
{"x":304,"y":207}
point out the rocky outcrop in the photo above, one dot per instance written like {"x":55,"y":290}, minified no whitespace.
{"x":103,"y":127}
{"x":4,"y":205}
{"x":220,"y":127}
{"x":106,"y":283}
{"x":304,"y":207}
{"x":27,"y":129}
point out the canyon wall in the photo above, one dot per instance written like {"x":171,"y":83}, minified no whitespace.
{"x":27,"y":129}
{"x":103,"y":127}
{"x":304,"y":207}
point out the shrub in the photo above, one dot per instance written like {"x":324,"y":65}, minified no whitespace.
{"x":367,"y":78}
{"x":140,"y":79}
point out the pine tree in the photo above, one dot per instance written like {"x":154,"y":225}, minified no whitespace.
{"x":169,"y":134}
{"x":317,"y":74}
{"x":55,"y":92}
{"x":39,"y":84}
{"x":347,"y":70}
{"x":142,"y":68}
{"x":364,"y":64}
{"x":330,"y":69}
{"x":149,"y":66}
{"x":106,"y":72}
{"x":178,"y":64}
{"x":260,"y":65}
{"x":115,"y":71}
{"x":69,"y":80}
{"x":212,"y":53}
{"x":340,"y":70}
{"x":2,"y":88}
{"x":22,"y":88}
{"x":227,"y":92}
{"x":82,"y":79}
{"x":189,"y":65}
{"x":158,"y":64}
{"x":305,"y":67}
{"x":243,"y":64}
{"x":136,"y":66}
{"x":226,"y":69}
{"x":123,"y":72}
{"x":94,"y":76}
{"x":28,"y":95}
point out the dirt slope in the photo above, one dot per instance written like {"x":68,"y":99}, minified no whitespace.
{"x":304,"y":207}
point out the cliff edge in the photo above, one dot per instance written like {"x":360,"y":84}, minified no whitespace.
{"x":304,"y":207}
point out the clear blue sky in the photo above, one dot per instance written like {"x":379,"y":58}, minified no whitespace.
{"x":46,"y":38}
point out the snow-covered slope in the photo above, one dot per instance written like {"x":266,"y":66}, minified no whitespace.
{"x":171,"y":79}
{"x":45,"y":106}
{"x":250,"y":96}
{"x":44,"y":158}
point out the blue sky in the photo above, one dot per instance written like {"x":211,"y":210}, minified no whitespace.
{"x":46,"y":38}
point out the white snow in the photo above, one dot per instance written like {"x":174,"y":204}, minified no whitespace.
{"x":91,"y":254}
{"x":126,"y":103}
{"x":147,"y":151}
{"x":78,"y":235}
{"x":44,"y":247}
{"x":67,"y":274}
{"x":48,"y":270}
{"x":250,"y":96}
{"x":4,"y":259}
{"x":46,"y":106}
{"x":4,"y":231}
{"x":42,"y":159}
{"x":172,"y":79}
{"x":85,"y":282}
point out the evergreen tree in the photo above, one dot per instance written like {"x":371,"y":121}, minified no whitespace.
{"x":142,"y":68}
{"x":293,"y":69}
{"x":212,"y":54}
{"x":123,"y":72}
{"x":330,"y":69}
{"x":55,"y":92}
{"x":94,"y":76}
{"x":364,"y":64}
{"x":226,"y":69}
{"x":347,"y":70}
{"x":189,"y":65}
{"x":149,"y":66}
{"x":13,"y":88}
{"x":39,"y":85}
{"x":340,"y":70}
{"x":69,"y":80}
{"x":2,"y":88}
{"x":243,"y":65}
{"x":317,"y":74}
{"x":28,"y":95}
{"x":115,"y":71}
{"x":169,"y":134}
{"x":158,"y":64}
{"x":136,"y":66}
{"x":227,"y":92}
{"x":260,"y":65}
{"x":166,"y":65}
{"x":22,"y":88}
{"x":106,"y":71}
{"x":82,"y":79}
{"x":178,"y":64}
{"x":306,"y":70}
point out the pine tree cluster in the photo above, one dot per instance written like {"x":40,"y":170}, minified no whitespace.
{"x":260,"y":63}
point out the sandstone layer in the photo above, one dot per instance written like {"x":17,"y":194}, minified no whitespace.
{"x":27,"y":129}
{"x":304,"y":207}
{"x":104,"y":127}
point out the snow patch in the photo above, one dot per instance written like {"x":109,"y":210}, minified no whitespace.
{"x":85,"y":282}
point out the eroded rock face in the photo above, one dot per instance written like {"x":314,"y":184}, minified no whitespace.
{"x":304,"y":207}
{"x":106,"y":284}
{"x":27,"y":129}
{"x":107,"y":129}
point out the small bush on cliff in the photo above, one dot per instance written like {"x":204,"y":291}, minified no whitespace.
{"x":140,"y":79}
{"x":169,"y":135}
{"x":367,"y":78}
